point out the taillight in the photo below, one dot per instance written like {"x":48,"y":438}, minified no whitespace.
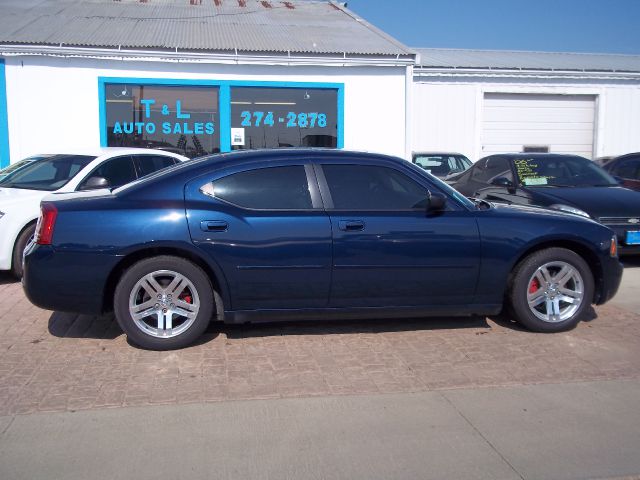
{"x":46,"y":222}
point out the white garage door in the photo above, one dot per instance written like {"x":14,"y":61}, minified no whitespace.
{"x":519,"y":122}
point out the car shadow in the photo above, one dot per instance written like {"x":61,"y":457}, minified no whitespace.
{"x":331,"y":327}
{"x":67,"y":325}
{"x":631,"y":261}
{"x":7,"y":278}
{"x":72,"y":325}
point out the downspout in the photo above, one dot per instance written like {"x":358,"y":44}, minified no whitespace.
{"x":408,"y":112}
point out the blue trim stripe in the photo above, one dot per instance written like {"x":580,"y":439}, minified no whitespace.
{"x":224,"y":100}
{"x":4,"y":121}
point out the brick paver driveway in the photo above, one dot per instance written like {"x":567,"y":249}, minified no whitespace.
{"x":56,"y":362}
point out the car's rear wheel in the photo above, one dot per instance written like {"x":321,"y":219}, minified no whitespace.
{"x":551,"y":289}
{"x":164,"y":303}
{"x":25,"y":237}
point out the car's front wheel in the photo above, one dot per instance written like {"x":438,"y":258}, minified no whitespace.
{"x":164,"y":303}
{"x":551,"y":289}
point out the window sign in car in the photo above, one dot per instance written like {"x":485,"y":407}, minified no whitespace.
{"x":283,"y":117}
{"x":561,"y":171}
{"x":179,"y":119}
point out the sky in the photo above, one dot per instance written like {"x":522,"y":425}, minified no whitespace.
{"x":593,"y":26}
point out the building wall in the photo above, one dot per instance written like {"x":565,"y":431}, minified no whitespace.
{"x":448,"y":111}
{"x":53,"y":102}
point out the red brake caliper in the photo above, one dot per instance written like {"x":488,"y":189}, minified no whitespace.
{"x":186,"y":297}
{"x":534,"y":286}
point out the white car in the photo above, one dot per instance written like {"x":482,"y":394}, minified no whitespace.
{"x":22,"y":191}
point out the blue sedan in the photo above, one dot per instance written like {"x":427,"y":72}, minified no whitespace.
{"x":293,"y":234}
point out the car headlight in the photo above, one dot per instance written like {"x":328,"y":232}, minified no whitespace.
{"x":567,"y":208}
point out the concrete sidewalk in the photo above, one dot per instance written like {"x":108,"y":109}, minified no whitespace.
{"x":580,"y":430}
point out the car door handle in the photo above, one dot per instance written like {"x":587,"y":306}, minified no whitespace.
{"x":351,"y":225}
{"x":214,"y":226}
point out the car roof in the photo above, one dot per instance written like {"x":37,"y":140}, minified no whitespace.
{"x":242,"y":157}
{"x":104,"y":151}
{"x":438,"y":153}
{"x":512,"y":156}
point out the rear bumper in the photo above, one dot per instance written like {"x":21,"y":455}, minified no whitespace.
{"x":66,"y":282}
{"x":612,"y":271}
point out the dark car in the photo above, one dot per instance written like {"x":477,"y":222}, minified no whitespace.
{"x":441,"y":165}
{"x":626,"y":169}
{"x":563,"y":182}
{"x":306,"y":233}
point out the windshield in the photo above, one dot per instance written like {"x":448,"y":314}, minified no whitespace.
{"x":561,"y":171}
{"x":48,"y":174}
{"x":441,"y":164}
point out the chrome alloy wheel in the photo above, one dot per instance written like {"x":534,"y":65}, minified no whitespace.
{"x":164,"y":303}
{"x":555,"y":292}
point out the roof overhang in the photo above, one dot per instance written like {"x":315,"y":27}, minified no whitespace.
{"x":225,"y":57}
{"x":520,"y":73}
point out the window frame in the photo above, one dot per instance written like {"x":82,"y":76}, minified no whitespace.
{"x":136,"y":157}
{"x":325,"y":192}
{"x":79,"y":187}
{"x":224,"y":100}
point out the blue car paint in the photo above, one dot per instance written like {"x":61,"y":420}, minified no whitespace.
{"x":301,"y":263}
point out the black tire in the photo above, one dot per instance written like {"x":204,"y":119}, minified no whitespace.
{"x":18,"y":249}
{"x":521,"y":286}
{"x":129,"y":281}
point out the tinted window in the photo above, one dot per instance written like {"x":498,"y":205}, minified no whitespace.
{"x":492,"y":168}
{"x":152,"y":163}
{"x":48,"y":174}
{"x":364,"y":187}
{"x":276,"y":188}
{"x":559,"y":171}
{"x":118,"y":171}
{"x":627,"y":168}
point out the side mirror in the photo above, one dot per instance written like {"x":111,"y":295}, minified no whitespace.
{"x":437,"y":202}
{"x":95,"y":183}
{"x":502,"y":182}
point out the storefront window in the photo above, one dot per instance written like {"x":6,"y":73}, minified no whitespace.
{"x":178,"y":119}
{"x":283,"y":117}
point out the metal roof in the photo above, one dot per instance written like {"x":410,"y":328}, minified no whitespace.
{"x":294,"y":26}
{"x":431,"y":58}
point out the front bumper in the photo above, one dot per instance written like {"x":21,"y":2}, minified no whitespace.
{"x":612,"y":271}
{"x":621,"y":227}
{"x":66,"y":281}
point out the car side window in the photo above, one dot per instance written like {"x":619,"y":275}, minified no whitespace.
{"x":272,"y":188}
{"x":627,"y":168}
{"x":118,"y":171}
{"x":148,"y":164}
{"x":368,"y":187}
{"x":491,"y":168}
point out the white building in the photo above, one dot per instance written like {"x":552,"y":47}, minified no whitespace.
{"x":217,"y":75}
{"x":484,"y":102}
{"x":198,"y":77}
